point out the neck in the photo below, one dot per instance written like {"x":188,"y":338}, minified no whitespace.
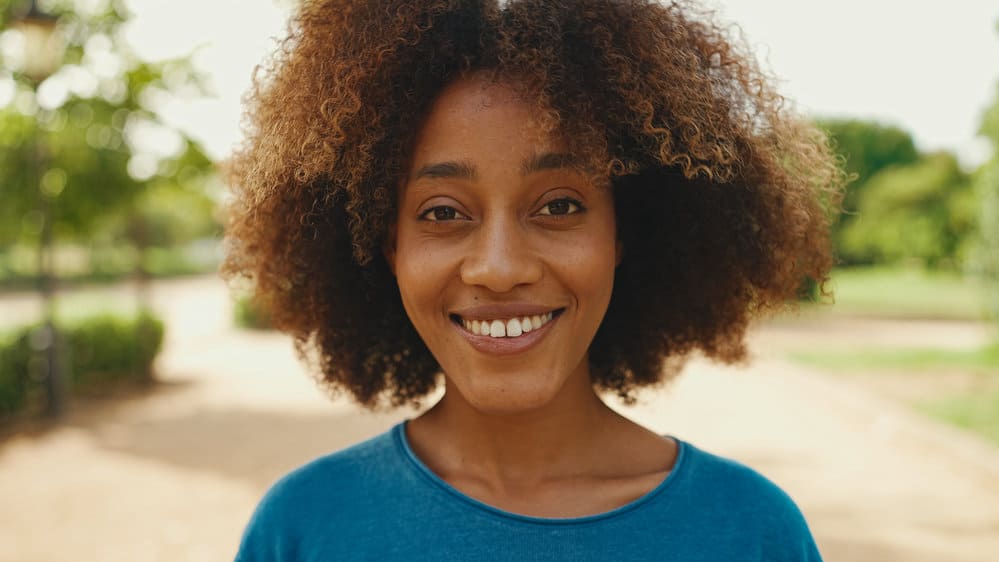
{"x":557,"y":440}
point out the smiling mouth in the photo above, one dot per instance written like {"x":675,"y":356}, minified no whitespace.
{"x":506,"y":327}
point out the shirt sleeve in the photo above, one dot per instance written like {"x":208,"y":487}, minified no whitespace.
{"x":791,"y":539}
{"x":267,"y":537}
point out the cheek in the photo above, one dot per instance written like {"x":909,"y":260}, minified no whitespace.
{"x":595,"y":274}
{"x":413,"y":278}
{"x":422,"y":271}
{"x":593,"y":260}
{"x":585,"y":269}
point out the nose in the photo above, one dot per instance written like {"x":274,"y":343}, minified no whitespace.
{"x":501,"y":257}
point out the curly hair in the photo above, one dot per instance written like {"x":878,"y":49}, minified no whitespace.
{"x":723,"y":194}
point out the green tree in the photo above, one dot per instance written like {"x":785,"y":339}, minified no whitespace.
{"x":922,"y":212}
{"x":987,"y":184}
{"x":79,"y":140}
{"x":73,"y":150}
{"x":866,"y":148}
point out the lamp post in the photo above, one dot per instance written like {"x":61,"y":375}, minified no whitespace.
{"x":42,"y":44}
{"x":42,"y":57}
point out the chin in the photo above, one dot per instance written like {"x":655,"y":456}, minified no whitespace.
{"x":507,"y":396}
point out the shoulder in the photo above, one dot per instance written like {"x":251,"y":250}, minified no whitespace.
{"x":738,"y":499}
{"x":332,"y":490}
{"x":723,"y":477}
{"x":334,"y":474}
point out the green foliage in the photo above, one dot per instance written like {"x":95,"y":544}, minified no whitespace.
{"x":990,"y":120}
{"x":88,"y":177}
{"x":987,"y":186}
{"x":100,"y":17}
{"x":809,"y":291}
{"x":866,"y":148}
{"x":108,"y":348}
{"x":249,"y":314}
{"x":101,"y":351}
{"x":15,"y":355}
{"x":84,"y":183}
{"x":88,"y":153}
{"x":922,"y":212}
{"x":105,"y":261}
{"x":986,"y":256}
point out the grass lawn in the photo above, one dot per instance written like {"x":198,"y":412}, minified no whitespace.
{"x":978,"y":412}
{"x":984,"y":359}
{"x":906,"y":293}
{"x":958,"y":387}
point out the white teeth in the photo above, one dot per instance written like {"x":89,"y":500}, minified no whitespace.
{"x":511,"y":328}
{"x":497,"y":329}
{"x":525,"y":324}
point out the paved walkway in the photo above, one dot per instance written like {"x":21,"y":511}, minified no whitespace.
{"x":174,"y":474}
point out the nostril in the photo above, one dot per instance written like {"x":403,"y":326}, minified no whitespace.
{"x":501,"y":275}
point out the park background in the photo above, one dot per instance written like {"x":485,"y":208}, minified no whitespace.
{"x":878,"y":411}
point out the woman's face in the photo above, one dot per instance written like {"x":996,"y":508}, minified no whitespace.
{"x":503,"y":251}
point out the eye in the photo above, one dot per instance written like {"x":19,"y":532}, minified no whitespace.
{"x":441,"y":213}
{"x":560,"y":207}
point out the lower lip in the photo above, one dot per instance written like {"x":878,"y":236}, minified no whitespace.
{"x":506,"y":346}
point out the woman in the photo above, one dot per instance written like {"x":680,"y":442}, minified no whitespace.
{"x":530,"y":203}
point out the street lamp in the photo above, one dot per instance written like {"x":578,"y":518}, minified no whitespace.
{"x":43,"y":51}
{"x":42,"y":43}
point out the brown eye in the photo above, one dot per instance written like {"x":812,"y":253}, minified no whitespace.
{"x":560,"y":207}
{"x":441,"y":213}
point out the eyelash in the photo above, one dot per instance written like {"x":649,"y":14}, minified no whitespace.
{"x":572,"y":202}
{"x":579,"y":208}
{"x":431,"y":211}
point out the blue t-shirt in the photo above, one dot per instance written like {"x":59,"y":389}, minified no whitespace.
{"x":378,"y":501}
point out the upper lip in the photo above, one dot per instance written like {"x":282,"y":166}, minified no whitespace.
{"x":501,"y":311}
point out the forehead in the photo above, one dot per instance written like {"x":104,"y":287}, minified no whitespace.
{"x":476,"y":94}
{"x":475,"y":112}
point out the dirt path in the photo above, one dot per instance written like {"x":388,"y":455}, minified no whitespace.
{"x":174,"y":474}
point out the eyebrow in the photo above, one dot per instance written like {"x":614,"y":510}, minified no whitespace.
{"x":465,"y":170}
{"x":462,"y":170}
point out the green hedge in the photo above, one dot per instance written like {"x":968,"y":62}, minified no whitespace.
{"x":15,"y":358}
{"x":108,"y":348}
{"x":249,"y":314}
{"x":100,"y":351}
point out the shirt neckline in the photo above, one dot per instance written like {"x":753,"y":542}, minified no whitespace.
{"x":403,"y":446}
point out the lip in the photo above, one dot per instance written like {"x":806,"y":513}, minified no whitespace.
{"x":507,"y":346}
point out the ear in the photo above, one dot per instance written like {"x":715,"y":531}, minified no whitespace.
{"x":388,"y":246}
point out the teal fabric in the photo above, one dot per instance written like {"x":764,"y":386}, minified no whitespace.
{"x":378,"y":501}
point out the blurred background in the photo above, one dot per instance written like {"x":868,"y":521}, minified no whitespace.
{"x":145,"y":406}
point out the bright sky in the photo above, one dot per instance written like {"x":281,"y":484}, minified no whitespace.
{"x":930,"y":71}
